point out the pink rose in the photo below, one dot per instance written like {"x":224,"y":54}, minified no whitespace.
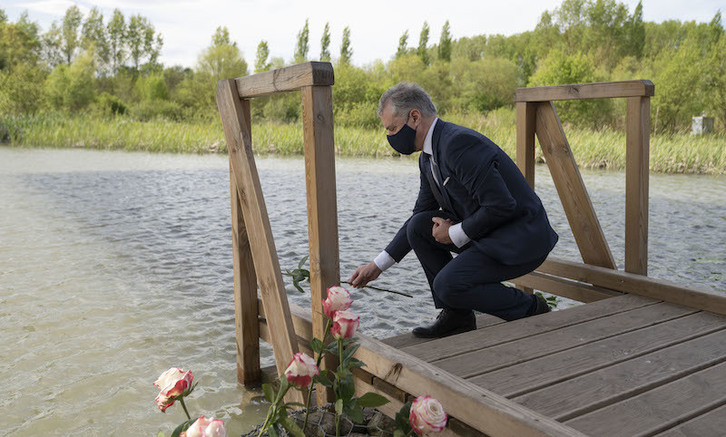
{"x":301,"y":370}
{"x":344,"y":324}
{"x":204,"y":427}
{"x":175,"y":382}
{"x":338,"y":300}
{"x":427,"y":415}
{"x":163,"y":402}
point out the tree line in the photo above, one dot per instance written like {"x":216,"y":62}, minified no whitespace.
{"x":109,"y":66}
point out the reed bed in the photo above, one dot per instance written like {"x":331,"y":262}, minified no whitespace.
{"x":604,"y":148}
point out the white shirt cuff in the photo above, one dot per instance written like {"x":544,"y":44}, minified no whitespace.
{"x":384,"y":261}
{"x":458,"y":236}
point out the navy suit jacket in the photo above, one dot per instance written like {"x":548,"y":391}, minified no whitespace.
{"x":485,"y":191}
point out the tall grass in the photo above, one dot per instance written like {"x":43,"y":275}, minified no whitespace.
{"x":605,"y":148}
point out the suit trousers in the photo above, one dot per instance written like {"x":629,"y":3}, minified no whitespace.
{"x":472,"y":280}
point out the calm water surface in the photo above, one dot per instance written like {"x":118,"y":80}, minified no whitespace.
{"x":116,"y":266}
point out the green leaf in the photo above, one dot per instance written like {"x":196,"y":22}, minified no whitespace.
{"x":398,"y":433}
{"x":291,"y":427}
{"x":339,"y":406}
{"x":320,"y":379}
{"x":347,"y":353}
{"x":183,"y":427}
{"x":268,"y":392}
{"x":347,"y":386}
{"x":355,"y":413}
{"x":354,"y":363}
{"x":161,"y":434}
{"x":317,"y":345}
{"x":402,"y":421}
{"x":302,"y":262}
{"x":372,"y":400}
{"x":272,"y":431}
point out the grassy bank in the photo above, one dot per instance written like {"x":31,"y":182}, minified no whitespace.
{"x":672,"y":153}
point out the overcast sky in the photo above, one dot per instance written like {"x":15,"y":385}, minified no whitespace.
{"x":376,"y":25}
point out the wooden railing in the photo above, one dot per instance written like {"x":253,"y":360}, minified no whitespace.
{"x":255,"y":257}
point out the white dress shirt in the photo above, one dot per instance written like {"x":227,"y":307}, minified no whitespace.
{"x":456,"y":233}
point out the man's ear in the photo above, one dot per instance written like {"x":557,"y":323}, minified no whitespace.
{"x":415,"y":115}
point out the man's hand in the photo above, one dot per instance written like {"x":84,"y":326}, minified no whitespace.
{"x":364,"y":274}
{"x":440,"y":231}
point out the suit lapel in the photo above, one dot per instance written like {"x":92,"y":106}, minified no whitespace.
{"x":436,"y":156}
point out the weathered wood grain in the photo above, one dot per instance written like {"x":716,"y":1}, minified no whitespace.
{"x":636,"y":184}
{"x":658,"y":409}
{"x":404,"y":340}
{"x":286,"y":79}
{"x":597,"y":90}
{"x":500,"y":356}
{"x":540,"y":375}
{"x":481,"y":338}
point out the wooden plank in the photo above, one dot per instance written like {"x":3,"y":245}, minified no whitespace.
{"x":597,"y":90}
{"x":245,"y":290}
{"x":571,"y":188}
{"x":636,"y":185}
{"x":492,"y":358}
{"x":637,"y":284}
{"x":485,"y":411}
{"x":712,"y":423}
{"x":254,"y":211}
{"x":564,"y":287}
{"x":525,"y":140}
{"x":593,"y":391}
{"x":659,"y":409}
{"x":506,"y":332}
{"x":542,"y":373}
{"x":317,"y":103}
{"x":290,"y":78}
{"x":407,"y":339}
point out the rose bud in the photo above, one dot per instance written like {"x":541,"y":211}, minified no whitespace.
{"x":427,"y":415}
{"x":175,"y":382}
{"x":301,"y":370}
{"x":345,"y":324}
{"x":204,"y":427}
{"x":163,"y":402}
{"x":338,"y":300}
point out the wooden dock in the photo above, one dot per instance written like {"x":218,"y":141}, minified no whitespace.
{"x":639,"y":357}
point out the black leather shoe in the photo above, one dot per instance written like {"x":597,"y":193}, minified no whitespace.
{"x":540,"y":306}
{"x":448,"y":322}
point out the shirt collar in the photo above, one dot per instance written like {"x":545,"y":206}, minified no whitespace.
{"x":428,"y":146}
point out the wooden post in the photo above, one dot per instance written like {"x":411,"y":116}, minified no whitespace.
{"x":245,"y":292}
{"x":573,"y":194}
{"x":636,"y":185}
{"x":256,"y":219}
{"x":317,"y":103}
{"x":525,"y":140}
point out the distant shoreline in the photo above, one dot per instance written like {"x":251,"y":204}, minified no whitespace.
{"x":603,"y":149}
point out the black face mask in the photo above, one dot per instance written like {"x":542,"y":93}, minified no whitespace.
{"x":403,"y":141}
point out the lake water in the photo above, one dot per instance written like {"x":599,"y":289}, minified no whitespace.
{"x":116,"y":266}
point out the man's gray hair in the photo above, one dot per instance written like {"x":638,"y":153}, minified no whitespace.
{"x":404,"y":97}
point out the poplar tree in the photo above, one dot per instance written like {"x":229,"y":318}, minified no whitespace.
{"x":445,"y":43}
{"x":69,"y":32}
{"x":302,"y":48}
{"x":261,"y":62}
{"x":93,"y":34}
{"x":346,"y":51}
{"x":423,"y":42}
{"x":116,"y":31}
{"x":402,"y":45}
{"x":325,"y":44}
